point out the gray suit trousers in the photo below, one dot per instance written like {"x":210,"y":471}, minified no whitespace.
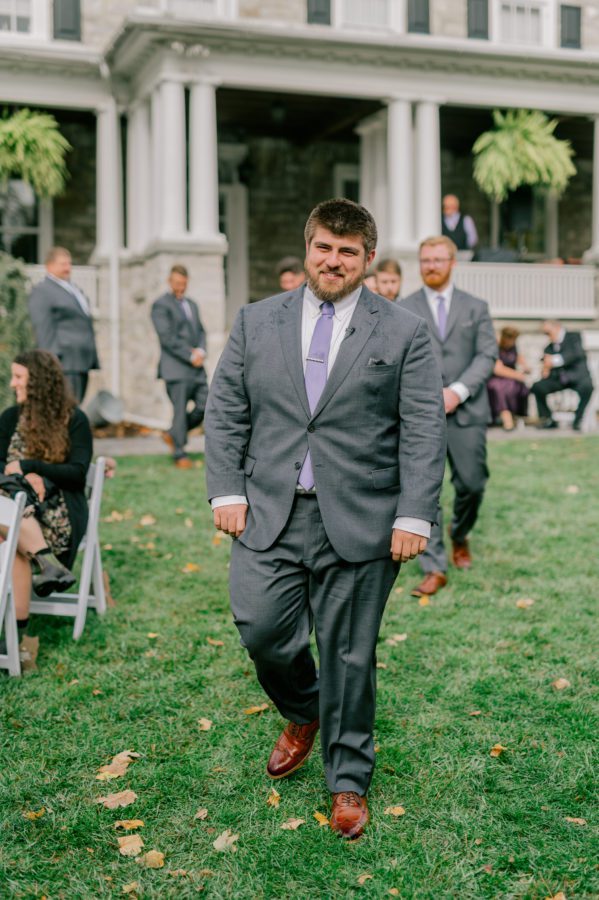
{"x":276,"y":594}
{"x":180,"y":393}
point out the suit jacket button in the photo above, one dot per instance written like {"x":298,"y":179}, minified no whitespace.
{"x":311,"y":428}
{"x":298,"y":465}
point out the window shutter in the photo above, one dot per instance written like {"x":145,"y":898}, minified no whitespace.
{"x":570,"y":27}
{"x":67,"y":20}
{"x":319,"y":12}
{"x":418,"y":17}
{"x":478,"y":19}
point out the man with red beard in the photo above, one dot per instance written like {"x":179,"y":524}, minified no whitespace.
{"x":323,"y":492}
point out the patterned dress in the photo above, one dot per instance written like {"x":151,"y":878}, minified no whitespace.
{"x":54,"y":522}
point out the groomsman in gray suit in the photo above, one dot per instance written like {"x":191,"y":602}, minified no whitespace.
{"x":182,"y":339}
{"x":325,"y":449}
{"x":466,"y":349}
{"x":62,"y":323}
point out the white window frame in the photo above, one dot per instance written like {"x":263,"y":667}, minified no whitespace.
{"x":396,"y":20}
{"x":549,"y":22}
{"x":44,"y":230}
{"x":40,"y":29}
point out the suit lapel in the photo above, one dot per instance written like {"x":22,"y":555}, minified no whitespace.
{"x":454,"y":311}
{"x":290,"y":331}
{"x":424,"y":311}
{"x":64,"y":293}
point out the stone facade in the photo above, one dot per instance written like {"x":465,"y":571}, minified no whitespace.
{"x":278,"y":10}
{"x":101,"y":19}
{"x":590,"y":24}
{"x":449,"y":19}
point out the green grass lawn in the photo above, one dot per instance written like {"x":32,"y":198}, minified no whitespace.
{"x":474,"y":826}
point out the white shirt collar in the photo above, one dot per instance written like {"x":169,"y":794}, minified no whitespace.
{"x":341,"y":306}
{"x":431,"y":295}
{"x":561,"y":336}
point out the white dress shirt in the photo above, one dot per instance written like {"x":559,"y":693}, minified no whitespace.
{"x":557,"y":360}
{"x":457,"y":386}
{"x":344,"y":310}
{"x":74,"y":291}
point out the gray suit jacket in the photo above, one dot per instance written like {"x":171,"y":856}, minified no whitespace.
{"x":61,"y":326}
{"x":377,"y":436}
{"x":178,"y":336}
{"x":468,"y":352}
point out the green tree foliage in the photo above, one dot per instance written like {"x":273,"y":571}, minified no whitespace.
{"x":15,"y":328}
{"x":32,"y":148}
{"x":521,"y":150}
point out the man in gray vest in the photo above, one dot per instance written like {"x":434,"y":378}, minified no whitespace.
{"x":466,"y":349}
{"x":325,"y":448}
{"x":182,"y":339}
{"x":62,"y":322}
{"x":459,"y":228}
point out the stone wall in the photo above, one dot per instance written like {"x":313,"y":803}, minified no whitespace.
{"x":590,"y":24}
{"x":449,"y":19}
{"x":101,"y":19}
{"x":279,"y":10}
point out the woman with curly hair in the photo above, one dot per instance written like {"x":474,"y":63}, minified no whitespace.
{"x":47,"y":439}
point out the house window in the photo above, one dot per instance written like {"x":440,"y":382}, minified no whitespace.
{"x":521,"y":22}
{"x":346,"y":181}
{"x":418,"y":17}
{"x":319,"y":12}
{"x":570,"y":27}
{"x":478,"y":19}
{"x":25,"y":222}
{"x":15,"y":15}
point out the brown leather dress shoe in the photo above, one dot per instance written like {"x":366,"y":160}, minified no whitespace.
{"x":292,"y":749}
{"x":461,"y":557}
{"x":430,"y":584}
{"x":349,"y":815}
{"x":184,"y":462}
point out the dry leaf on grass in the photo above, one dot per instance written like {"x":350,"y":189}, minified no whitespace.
{"x":560,"y":683}
{"x":214,"y":642}
{"x":525,"y":603}
{"x":572,"y":489}
{"x":575,"y":821}
{"x":153,"y":859}
{"x":475,"y":712}
{"x":216,"y":540}
{"x":321,"y":819}
{"x":114,"y":801}
{"x":152,"y":635}
{"x":559,"y":896}
{"x":130,"y":845}
{"x":118,"y":766}
{"x":73,"y":682}
{"x":28,"y":650}
{"x":32,"y":816}
{"x":381,"y":665}
{"x":226,"y":841}
{"x":205,"y":724}
{"x":362,"y":879}
{"x":188,"y":522}
{"x":129,"y":824}
{"x":497,"y":750}
{"x":147,"y":520}
{"x":96,"y":692}
{"x":130,"y":888}
{"x":177,"y":873}
{"x":424,"y":600}
{"x":251,"y":710}
{"x":274,"y":798}
{"x":395,"y":811}
{"x":394,"y":892}
{"x":292,"y":824}
{"x":191,"y":567}
{"x":202,"y":813}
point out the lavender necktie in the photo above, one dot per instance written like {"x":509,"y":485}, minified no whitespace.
{"x":441,"y":316}
{"x":317,"y":365}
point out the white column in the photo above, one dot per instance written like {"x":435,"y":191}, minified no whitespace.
{"x":138,"y":177}
{"x":156,"y":163}
{"x":173,"y":180}
{"x":109,"y":219}
{"x":203,"y":162}
{"x":381,"y":190}
{"x":400,"y":174}
{"x":428,"y":170}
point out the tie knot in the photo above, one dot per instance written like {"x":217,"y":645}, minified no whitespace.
{"x":327,"y":309}
{"x":440,"y":298}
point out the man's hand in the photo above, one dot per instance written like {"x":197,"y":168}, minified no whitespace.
{"x":37,"y":483}
{"x":231,"y":519}
{"x":405,"y":545}
{"x":451,"y":401}
{"x":197,"y":358}
{"x":13,"y":468}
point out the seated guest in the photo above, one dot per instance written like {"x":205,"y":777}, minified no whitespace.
{"x":46,"y":439}
{"x":508,"y":394}
{"x":564,"y":366}
{"x":388,"y":280}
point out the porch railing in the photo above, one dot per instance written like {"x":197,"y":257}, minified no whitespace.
{"x":531,"y":291}
{"x":85,"y":277}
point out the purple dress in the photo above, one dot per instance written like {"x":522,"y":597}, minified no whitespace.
{"x":507,"y":393}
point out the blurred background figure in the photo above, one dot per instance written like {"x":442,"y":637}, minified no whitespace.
{"x":508,"y":393}
{"x":290,"y":272}
{"x":62,"y":321}
{"x":388,"y":279}
{"x":370,"y":281}
{"x":564,"y":366}
{"x":460,"y":228}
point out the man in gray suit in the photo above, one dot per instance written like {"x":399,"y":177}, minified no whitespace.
{"x":325,"y":447}
{"x":62,"y":323}
{"x":466,"y":350}
{"x":182,"y":339}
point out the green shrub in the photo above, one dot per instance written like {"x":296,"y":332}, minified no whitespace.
{"x":15,"y":327}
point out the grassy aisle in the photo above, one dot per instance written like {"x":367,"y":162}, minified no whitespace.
{"x":474,"y":826}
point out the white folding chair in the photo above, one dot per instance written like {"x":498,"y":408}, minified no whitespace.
{"x":11,"y":512}
{"x":78,"y":602}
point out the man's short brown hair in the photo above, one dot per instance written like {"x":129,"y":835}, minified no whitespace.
{"x":178,"y":269}
{"x":440,"y":240}
{"x":290,"y":264}
{"x":54,"y":252}
{"x":391,"y":266}
{"x":342,"y":218}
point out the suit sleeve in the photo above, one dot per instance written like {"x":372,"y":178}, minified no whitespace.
{"x":202,"y":337}
{"x":42,"y":320}
{"x":422,"y":435}
{"x":169,"y":340}
{"x":481,"y":366}
{"x":227,"y":423}
{"x":572,"y":350}
{"x":70,"y":474}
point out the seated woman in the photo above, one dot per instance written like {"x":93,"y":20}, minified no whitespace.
{"x":46,"y":438}
{"x":508,"y":393}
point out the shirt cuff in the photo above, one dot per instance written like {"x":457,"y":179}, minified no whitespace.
{"x":460,"y":389}
{"x":228,"y":501}
{"x":415,"y":526}
{"x":558,"y":360}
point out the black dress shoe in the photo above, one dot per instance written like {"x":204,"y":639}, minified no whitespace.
{"x":548,"y":423}
{"x":51,"y":575}
{"x":576,"y":426}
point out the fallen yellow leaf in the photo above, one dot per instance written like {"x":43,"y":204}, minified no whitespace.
{"x":380,"y":665}
{"x":73,"y":682}
{"x":525,"y":603}
{"x":321,"y":819}
{"x":114,"y":801}
{"x":292,"y":824}
{"x":130,"y":888}
{"x":202,"y":813}
{"x":130,"y":845}
{"x":475,"y":712}
{"x":399,"y":637}
{"x":497,"y":750}
{"x":424,"y":600}
{"x":394,"y":892}
{"x":214,"y":642}
{"x":226,"y":841}
{"x":28,"y":650}
{"x":274,"y":798}
{"x":147,"y":520}
{"x":395,"y":811}
{"x":574,"y":821}
{"x":218,"y":538}
{"x":153,"y":859}
{"x":560,"y":683}
{"x":32,"y":816}
{"x":119,"y":765}
{"x":559,"y":896}
{"x":129,"y":824}
{"x":96,"y":692}
{"x":205,"y":724}
{"x":362,"y":879}
{"x":188,"y":522}
{"x":177,"y":873}
{"x":191,"y":567}
{"x":255,"y":709}
{"x":152,"y":635}
{"x":398,"y":590}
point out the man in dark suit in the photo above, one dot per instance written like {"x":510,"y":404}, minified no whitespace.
{"x":62,"y":323}
{"x":182,"y":339}
{"x":325,"y":448}
{"x":564,"y":366}
{"x":466,"y":349}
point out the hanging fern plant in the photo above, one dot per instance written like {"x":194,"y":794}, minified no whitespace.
{"x":521,"y":150}
{"x":32,"y":148}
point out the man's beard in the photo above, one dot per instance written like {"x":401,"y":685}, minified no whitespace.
{"x":331,"y":295}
